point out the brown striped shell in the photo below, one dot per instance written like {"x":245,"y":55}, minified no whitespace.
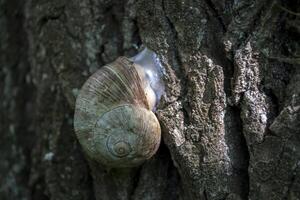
{"x":113,"y":120}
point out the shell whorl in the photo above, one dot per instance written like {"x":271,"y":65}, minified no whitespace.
{"x":113,"y":120}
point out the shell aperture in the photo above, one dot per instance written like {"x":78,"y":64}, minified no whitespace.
{"x":151,"y":71}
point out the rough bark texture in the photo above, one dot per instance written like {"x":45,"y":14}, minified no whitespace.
{"x":230,"y":116}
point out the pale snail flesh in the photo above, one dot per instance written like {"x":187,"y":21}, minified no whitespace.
{"x":113,"y":119}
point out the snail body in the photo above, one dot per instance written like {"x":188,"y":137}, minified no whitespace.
{"x":113,"y":119}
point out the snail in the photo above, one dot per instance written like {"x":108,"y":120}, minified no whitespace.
{"x":114,"y":120}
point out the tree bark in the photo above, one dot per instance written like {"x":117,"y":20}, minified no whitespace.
{"x":230,"y":117}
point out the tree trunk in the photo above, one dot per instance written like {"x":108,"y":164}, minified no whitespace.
{"x":230,"y":117}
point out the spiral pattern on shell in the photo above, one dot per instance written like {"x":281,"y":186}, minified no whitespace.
{"x":113,"y":120}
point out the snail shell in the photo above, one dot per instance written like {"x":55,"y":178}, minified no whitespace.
{"x":113,"y":119}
